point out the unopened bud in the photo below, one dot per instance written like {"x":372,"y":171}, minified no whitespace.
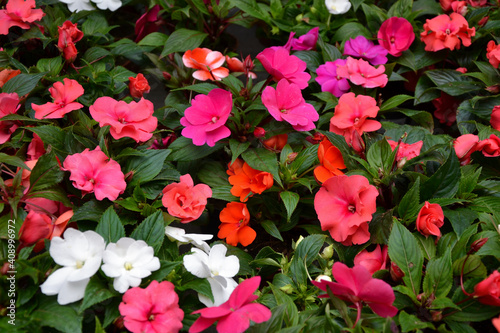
{"x":494,"y":89}
{"x":316,"y":138}
{"x":4,"y":269}
{"x":477,"y":245}
{"x":396,"y":273}
{"x":299,"y":18}
{"x":437,"y":315}
{"x":483,"y":21}
{"x":248,"y":64}
{"x":129,"y":175}
{"x":401,"y":163}
{"x":166,"y":76}
{"x":327,"y":252}
{"x":291,"y":157}
{"x":259,"y":132}
{"x":357,"y":142}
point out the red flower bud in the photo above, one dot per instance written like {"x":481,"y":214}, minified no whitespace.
{"x":259,"y":132}
{"x":396,"y":272}
{"x":477,"y":245}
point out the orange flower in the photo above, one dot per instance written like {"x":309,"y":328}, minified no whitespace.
{"x":234,"y":227}
{"x":276,"y":143}
{"x":7,"y":74}
{"x":331,"y":161}
{"x":247,"y":181}
{"x":207,"y":62}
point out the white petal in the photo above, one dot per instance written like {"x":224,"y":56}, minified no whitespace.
{"x":72,"y":291}
{"x":90,"y":267}
{"x":112,"y":271}
{"x":222,"y":265}
{"x":121,"y":284}
{"x":198,"y":239}
{"x":95,"y":242}
{"x":176,"y":234}
{"x":55,"y":281}
{"x":197,"y":263}
{"x":221,"y":294}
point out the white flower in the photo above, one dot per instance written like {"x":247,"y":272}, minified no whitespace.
{"x":80,"y":254}
{"x":128,"y":261}
{"x":338,"y":6}
{"x":112,"y":5}
{"x":78,"y":5}
{"x":180,"y":235}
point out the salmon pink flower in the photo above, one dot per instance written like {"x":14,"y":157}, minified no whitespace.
{"x":331,"y":161}
{"x":184,"y":200}
{"x":247,"y":181}
{"x":396,"y":35}
{"x":9,"y":104}
{"x":234,"y":225}
{"x":493,"y":53}
{"x":363,"y":74}
{"x":234,"y":315}
{"x":446,"y":31}
{"x":406,"y":150}
{"x":285,"y":103}
{"x":329,"y":79}
{"x":69,"y":34}
{"x":464,"y":146}
{"x":19,"y":13}
{"x":64,"y":94}
{"x":93,"y":171}
{"x":149,"y":22}
{"x":154,"y":309}
{"x":138,"y":86}
{"x":459,"y":7}
{"x":490,"y":147}
{"x":430,"y":219}
{"x":488,"y":290}
{"x":205,"y":119}
{"x":7,"y":74}
{"x":278,"y":62}
{"x":345,"y":205}
{"x":207,"y":63}
{"x":361,"y":47}
{"x":133,"y":120}
{"x":35,"y":148}
{"x":373,"y":261}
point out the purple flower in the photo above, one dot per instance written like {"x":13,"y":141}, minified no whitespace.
{"x":360,"y":47}
{"x":329,"y":80}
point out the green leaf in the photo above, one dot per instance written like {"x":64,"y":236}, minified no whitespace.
{"x":22,"y":84}
{"x":182,"y":40}
{"x":252,"y":8}
{"x":202,"y":88}
{"x":444,"y":182}
{"x":52,"y":135}
{"x":95,"y":292}
{"x":45,"y":173}
{"x":151,"y":230}
{"x":409,"y":205}
{"x":13,"y":160}
{"x":110,"y":227}
{"x":394,"y":101}
{"x":379,"y":155}
{"x":237,"y":148}
{"x":290,"y":200}
{"x":308,"y":249}
{"x":91,"y":210}
{"x":201,"y":286}
{"x":428,"y":246}
{"x":49,"y":313}
{"x":145,"y":165}
{"x":271,"y":229}
{"x":263,"y":160}
{"x":311,"y":58}
{"x":473,"y":267}
{"x":438,"y":278}
{"x":50,"y":65}
{"x":475,"y":313}
{"x":443,"y":303}
{"x":410,"y":322}
{"x":183,"y":150}
{"x":329,"y":52}
{"x":154,"y":39}
{"x":460,"y":219}
{"x":380,"y":227}
{"x":350,"y":30}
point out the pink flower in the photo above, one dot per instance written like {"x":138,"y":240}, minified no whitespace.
{"x":9,"y":104}
{"x":330,"y":81}
{"x":459,"y":7}
{"x":363,"y":74}
{"x":464,"y":146}
{"x":305,"y":42}
{"x":445,"y":31}
{"x":205,"y":119}
{"x":234,"y":316}
{"x":286,"y":103}
{"x":446,"y":108}
{"x":35,"y":148}
{"x":184,"y":200}
{"x":281,"y":65}
{"x":490,"y":147}
{"x":357,"y":286}
{"x":372,"y":261}
{"x":406,"y":150}
{"x":19,"y":13}
{"x":147,"y":23}
{"x":430,"y":218}
{"x":493,"y":53}
{"x":93,"y":171}
{"x":396,"y":35}
{"x":345,"y":205}
{"x":488,"y":290}
{"x":64,"y":95}
{"x":69,"y":34}
{"x":154,"y":309}
{"x":138,"y":86}
{"x":134,"y":120}
{"x":361,"y":47}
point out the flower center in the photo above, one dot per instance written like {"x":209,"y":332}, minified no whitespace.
{"x":356,"y":120}
{"x":121,"y":120}
{"x":79,"y":264}
{"x":284,"y":111}
{"x":393,"y":40}
{"x":151,"y":317}
{"x":215,"y":119}
{"x":128,"y":266}
{"x":351,"y":208}
{"x":91,"y":180}
{"x":447,"y":31}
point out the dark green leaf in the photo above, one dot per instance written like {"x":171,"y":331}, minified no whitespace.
{"x":13,"y":160}
{"x":409,"y":205}
{"x":49,"y":313}
{"x":444,"y":182}
{"x":309,"y":248}
{"x":271,"y":229}
{"x":438,"y":278}
{"x":394,"y":101}
{"x":290,"y":200}
{"x":110,"y":227}
{"x":237,"y":148}
{"x":263,"y":160}
{"x":410,"y":322}
{"x":45,"y":173}
{"x":151,"y":230}
{"x":182,"y":40}
{"x":154,"y":39}
{"x":145,"y":165}
{"x":22,"y":84}
{"x":95,"y":292}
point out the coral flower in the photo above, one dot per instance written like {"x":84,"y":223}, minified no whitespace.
{"x":488,"y":290}
{"x":154,"y":309}
{"x":7,"y":74}
{"x":464,"y":146}
{"x":39,"y":226}
{"x":396,"y":35}
{"x":345,"y":205}
{"x":490,"y":147}
{"x":276,"y":142}
{"x":246,"y":181}
{"x":406,"y":150}
{"x":138,"y":86}
{"x":205,"y":119}
{"x":372,"y":261}
{"x":495,"y":118}
{"x":363,"y":74}
{"x":64,"y":94}
{"x":285,"y":103}
{"x":361,"y":47}
{"x":278,"y":62}
{"x":19,"y":13}
{"x":493,"y":53}
{"x":234,"y":225}
{"x":329,"y":79}
{"x":446,"y":31}
{"x":236,"y":65}
{"x":234,"y":316}
{"x":9,"y":104}
{"x":430,"y":219}
{"x":134,"y":120}
{"x":331,"y":161}
{"x":69,"y":34}
{"x":446,"y":108}
{"x":207,"y":62}
{"x":35,"y":148}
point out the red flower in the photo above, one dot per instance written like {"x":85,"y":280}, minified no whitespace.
{"x":19,"y":13}
{"x":406,"y":150}
{"x":39,"y":226}
{"x":207,"y":62}
{"x":234,"y":316}
{"x":493,"y":53}
{"x":372,"y":261}
{"x":490,"y":147}
{"x":247,"y":181}
{"x":446,"y":31}
{"x":64,"y":94}
{"x":138,"y":86}
{"x":495,"y":118}
{"x":488,"y":290}
{"x":361,"y":73}
{"x":430,"y":219}
{"x":331,"y":161}
{"x":464,"y":146}
{"x":234,"y":225}
{"x":9,"y":104}
{"x":396,"y":35}
{"x":69,"y":34}
{"x":446,"y":108}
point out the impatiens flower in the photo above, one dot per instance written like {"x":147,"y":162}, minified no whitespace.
{"x":35,"y":148}
{"x":488,"y":290}
{"x":234,"y":224}
{"x":276,"y":142}
{"x":361,"y":47}
{"x":477,"y":3}
{"x":357,"y":286}
{"x":133,"y":120}
{"x":372,"y":261}
{"x":337,"y":7}
{"x":406,"y":150}
{"x":247,"y":181}
{"x":363,"y":74}
{"x":490,"y":147}
{"x":285,"y":103}
{"x":206,"y":118}
{"x":464,"y":146}
{"x":93,"y":172}
{"x":496,"y":322}
{"x":184,"y":200}
{"x":69,"y":34}
{"x":305,"y":42}
{"x":9,"y":104}
{"x":234,"y":315}
{"x":215,"y":267}
{"x":179,"y":235}
{"x":278,"y":62}
{"x":493,"y":53}
{"x":329,"y":79}
{"x":64,"y":94}
{"x":138,"y":86}
{"x":331,"y":161}
{"x":78,"y":5}
{"x":128,"y":261}
{"x":459,"y":7}
{"x":19,"y":13}
{"x":495,"y":118}
{"x":207,"y":63}
{"x":446,"y":31}
{"x":154,"y":309}
{"x":38,"y":226}
{"x":430,"y":219}
{"x":446,"y":108}
{"x":112,"y":5}
{"x":236,"y":65}
{"x":79,"y":254}
{"x":7,"y":74}
{"x":163,"y":143}
{"x":396,"y":35}
{"x":345,"y":205}
{"x":147,"y":23}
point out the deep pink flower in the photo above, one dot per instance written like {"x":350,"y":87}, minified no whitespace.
{"x":234,"y":316}
{"x":9,"y":104}
{"x":406,"y":150}
{"x":64,"y":94}
{"x":345,"y":205}
{"x":446,"y":108}
{"x":286,"y":103}
{"x":361,"y":47}
{"x":329,"y":80}
{"x":281,"y":65}
{"x":305,"y":42}
{"x":464,"y":146}
{"x":19,"y":13}
{"x":363,"y":74}
{"x":154,"y":309}
{"x":357,"y":286}
{"x":445,"y":31}
{"x":149,"y":22}
{"x":205,"y":119}
{"x":93,"y":171}
{"x":490,"y":147}
{"x":396,"y":35}
{"x":134,"y":120}
{"x":372,"y":261}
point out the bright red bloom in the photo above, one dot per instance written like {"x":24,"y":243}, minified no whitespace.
{"x":9,"y":104}
{"x":357,"y":286}
{"x":331,"y":161}
{"x":64,"y":94}
{"x":490,"y":147}
{"x":19,"y":13}
{"x":154,"y":309}
{"x":430,"y":219}
{"x":345,"y":205}
{"x":7,"y":74}
{"x":446,"y":31}
{"x":69,"y":34}
{"x":133,"y":120}
{"x":372,"y":261}
{"x":396,"y":35}
{"x":207,"y":62}
{"x":149,"y":22}
{"x":488,"y":290}
{"x":138,"y":86}
{"x":446,"y":108}
{"x":464,"y":146}
{"x":493,"y":53}
{"x":406,"y":150}
{"x":234,"y":225}
{"x":234,"y":316}
{"x":247,"y":181}
{"x":39,"y":226}
{"x":361,"y":73}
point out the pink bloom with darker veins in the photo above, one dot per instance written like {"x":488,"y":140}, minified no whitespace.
{"x":9,"y":104}
{"x":19,"y":13}
{"x":361,"y":47}
{"x":329,"y":79}
{"x":205,"y":119}
{"x":64,"y":94}
{"x":361,"y":73}
{"x":285,"y":103}
{"x":234,"y":315}
{"x":396,"y":35}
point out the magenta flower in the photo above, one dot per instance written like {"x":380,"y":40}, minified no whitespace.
{"x":305,"y":42}
{"x":154,"y":309}
{"x":396,"y":35}
{"x":286,"y":103}
{"x":361,"y":47}
{"x":205,"y":119}
{"x":93,"y":171}
{"x":149,"y":22}
{"x":64,"y":95}
{"x":363,"y":74}
{"x":234,"y":315}
{"x":330,"y":81}
{"x":281,"y":65}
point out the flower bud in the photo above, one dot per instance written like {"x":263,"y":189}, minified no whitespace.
{"x":166,"y":76}
{"x":357,"y":142}
{"x":291,"y":157}
{"x":483,"y":21}
{"x":316,"y":138}
{"x":494,"y":89}
{"x":396,"y":273}
{"x":477,"y":245}
{"x":294,"y":246}
{"x":327,"y":252}
{"x":323,"y":277}
{"x":401,"y":163}
{"x":4,"y":269}
{"x":437,"y":315}
{"x":259,"y":132}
